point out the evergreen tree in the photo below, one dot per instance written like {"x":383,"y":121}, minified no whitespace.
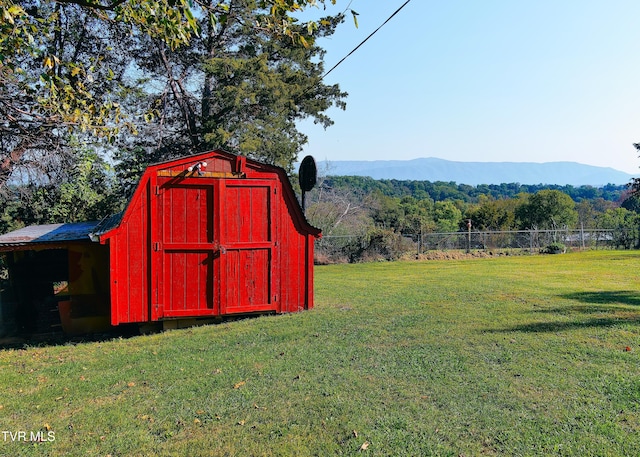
{"x":237,"y":86}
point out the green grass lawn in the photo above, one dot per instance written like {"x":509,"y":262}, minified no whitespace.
{"x":520,"y":355}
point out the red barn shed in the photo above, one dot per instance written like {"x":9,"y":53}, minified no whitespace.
{"x":206,"y":235}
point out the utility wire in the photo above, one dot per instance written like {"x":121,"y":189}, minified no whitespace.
{"x":347,"y":7}
{"x":365,"y":40}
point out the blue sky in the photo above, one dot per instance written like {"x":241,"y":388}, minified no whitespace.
{"x":490,"y":81}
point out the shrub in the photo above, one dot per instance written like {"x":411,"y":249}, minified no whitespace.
{"x":384,"y":244}
{"x":555,"y":248}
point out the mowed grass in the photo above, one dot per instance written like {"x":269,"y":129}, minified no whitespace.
{"x":531,"y":355}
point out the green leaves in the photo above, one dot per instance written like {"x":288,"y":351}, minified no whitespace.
{"x":11,"y":13}
{"x":547,"y":209}
{"x":102,"y":71}
{"x":258,"y":88}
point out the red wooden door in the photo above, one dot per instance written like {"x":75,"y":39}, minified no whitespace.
{"x":187,"y":249}
{"x":247,"y":242}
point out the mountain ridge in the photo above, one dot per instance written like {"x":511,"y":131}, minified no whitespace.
{"x":477,"y":173}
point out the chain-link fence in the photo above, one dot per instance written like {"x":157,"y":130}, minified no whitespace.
{"x":393,"y":245}
{"x":531,"y":240}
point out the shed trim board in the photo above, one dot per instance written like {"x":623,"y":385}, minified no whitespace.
{"x":202,"y":236}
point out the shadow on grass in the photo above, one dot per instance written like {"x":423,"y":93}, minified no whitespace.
{"x":542,"y":327}
{"x":23,"y":341}
{"x":609,"y":304}
{"x":123,"y":331}
{"x":606,"y":297}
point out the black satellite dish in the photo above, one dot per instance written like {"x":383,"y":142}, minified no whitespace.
{"x":308,"y":175}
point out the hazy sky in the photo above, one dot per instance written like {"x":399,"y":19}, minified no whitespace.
{"x":493,"y":80}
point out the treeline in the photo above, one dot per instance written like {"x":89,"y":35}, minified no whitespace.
{"x":361,"y":218}
{"x":372,"y":219}
{"x":440,"y":190}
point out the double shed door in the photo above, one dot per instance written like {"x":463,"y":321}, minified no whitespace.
{"x":214,"y":247}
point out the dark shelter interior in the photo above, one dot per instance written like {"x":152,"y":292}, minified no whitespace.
{"x":57,"y":290}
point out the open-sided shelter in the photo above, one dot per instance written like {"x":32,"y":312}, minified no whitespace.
{"x":207,"y":235}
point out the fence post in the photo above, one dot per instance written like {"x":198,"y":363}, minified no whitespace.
{"x":530,"y":241}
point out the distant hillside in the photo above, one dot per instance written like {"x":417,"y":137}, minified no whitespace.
{"x":476,"y":173}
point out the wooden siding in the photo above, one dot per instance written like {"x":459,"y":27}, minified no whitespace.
{"x":229,"y":238}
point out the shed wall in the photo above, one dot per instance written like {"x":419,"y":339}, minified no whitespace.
{"x":130,"y":256}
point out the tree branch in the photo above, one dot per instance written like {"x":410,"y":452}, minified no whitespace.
{"x":180,"y":95}
{"x":99,"y":6}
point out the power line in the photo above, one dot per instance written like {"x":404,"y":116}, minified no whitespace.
{"x":365,"y":40}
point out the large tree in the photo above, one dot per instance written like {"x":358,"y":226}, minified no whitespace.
{"x":61,"y":68}
{"x":492,"y":214}
{"x":635,"y":182}
{"x":66,"y":70}
{"x":236,"y":86}
{"x":547,"y":210}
